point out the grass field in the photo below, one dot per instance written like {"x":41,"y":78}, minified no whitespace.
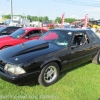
{"x":82,"y":83}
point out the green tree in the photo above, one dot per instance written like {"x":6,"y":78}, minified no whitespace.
{"x":51,"y":21}
{"x":35,"y":18}
{"x":46,"y":18}
{"x":69,"y":20}
{"x":29,"y":17}
{"x":42,"y":18}
{"x":7,"y":16}
{"x":58,"y":19}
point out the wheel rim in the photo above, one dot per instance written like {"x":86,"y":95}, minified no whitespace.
{"x":50,"y":74}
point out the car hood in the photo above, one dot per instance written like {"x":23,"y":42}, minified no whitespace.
{"x":2,"y":36}
{"x":27,"y":50}
{"x":6,"y":40}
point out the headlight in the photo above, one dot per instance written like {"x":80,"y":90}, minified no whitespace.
{"x":16,"y":70}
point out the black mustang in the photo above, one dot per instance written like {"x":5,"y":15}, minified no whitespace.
{"x":57,"y":50}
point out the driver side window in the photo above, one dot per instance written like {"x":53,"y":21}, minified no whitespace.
{"x":80,"y":38}
{"x":34,"y":33}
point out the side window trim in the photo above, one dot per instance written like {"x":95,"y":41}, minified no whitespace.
{"x":80,"y":38}
{"x":92,"y":36}
{"x":33,"y":33}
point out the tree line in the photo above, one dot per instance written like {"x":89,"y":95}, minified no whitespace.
{"x":42,"y":18}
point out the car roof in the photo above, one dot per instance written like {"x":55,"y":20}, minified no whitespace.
{"x":69,"y":29}
{"x":12,"y":26}
{"x":31,"y":28}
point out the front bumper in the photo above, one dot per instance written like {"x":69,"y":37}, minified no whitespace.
{"x":20,"y":79}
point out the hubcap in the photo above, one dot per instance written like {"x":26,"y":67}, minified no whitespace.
{"x":50,"y":74}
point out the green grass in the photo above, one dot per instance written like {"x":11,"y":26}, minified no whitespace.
{"x":82,"y":83}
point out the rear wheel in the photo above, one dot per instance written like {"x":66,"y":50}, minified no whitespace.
{"x":49,"y":74}
{"x":96,"y":59}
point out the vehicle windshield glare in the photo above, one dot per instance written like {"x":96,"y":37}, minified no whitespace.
{"x":17,"y":34}
{"x":2,"y":28}
{"x":50,"y":36}
{"x":57,"y":37}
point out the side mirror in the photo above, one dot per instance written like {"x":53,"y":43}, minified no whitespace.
{"x":26,"y":37}
{"x":74,"y":46}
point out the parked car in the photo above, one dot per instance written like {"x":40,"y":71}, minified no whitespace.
{"x":56,"y":51}
{"x":1,"y":26}
{"x":48,"y":25}
{"x":7,"y":30}
{"x":20,"y":36}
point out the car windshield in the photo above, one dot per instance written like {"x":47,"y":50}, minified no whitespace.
{"x":57,"y":37}
{"x":17,"y":34}
{"x":2,"y":28}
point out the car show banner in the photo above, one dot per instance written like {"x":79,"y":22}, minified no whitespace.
{"x":86,"y":20}
{"x":62,"y":22}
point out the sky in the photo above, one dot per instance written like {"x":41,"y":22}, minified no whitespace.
{"x":53,"y":8}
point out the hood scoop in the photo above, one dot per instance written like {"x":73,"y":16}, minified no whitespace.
{"x":31,"y":49}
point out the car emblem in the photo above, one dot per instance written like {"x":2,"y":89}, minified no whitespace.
{"x":16,"y":59}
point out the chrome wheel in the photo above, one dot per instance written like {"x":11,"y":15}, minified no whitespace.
{"x":50,"y":74}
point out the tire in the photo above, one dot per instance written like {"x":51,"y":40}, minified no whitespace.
{"x":49,"y":74}
{"x":96,"y":59}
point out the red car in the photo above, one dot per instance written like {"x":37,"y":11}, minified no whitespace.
{"x":20,"y":36}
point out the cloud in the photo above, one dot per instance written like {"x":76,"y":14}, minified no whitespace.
{"x":74,"y":16}
{"x":93,"y":10}
{"x":97,"y":0}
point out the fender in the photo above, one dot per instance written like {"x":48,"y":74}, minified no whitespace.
{"x":96,"y":58}
{"x":53,"y":59}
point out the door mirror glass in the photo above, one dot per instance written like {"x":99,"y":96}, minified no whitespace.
{"x":26,"y":37}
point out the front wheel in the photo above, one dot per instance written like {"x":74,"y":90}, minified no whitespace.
{"x":49,"y":74}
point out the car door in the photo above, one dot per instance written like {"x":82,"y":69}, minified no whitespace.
{"x":34,"y":35}
{"x":78,"y":52}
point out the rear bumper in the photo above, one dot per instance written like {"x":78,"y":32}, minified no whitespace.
{"x":20,"y":79}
